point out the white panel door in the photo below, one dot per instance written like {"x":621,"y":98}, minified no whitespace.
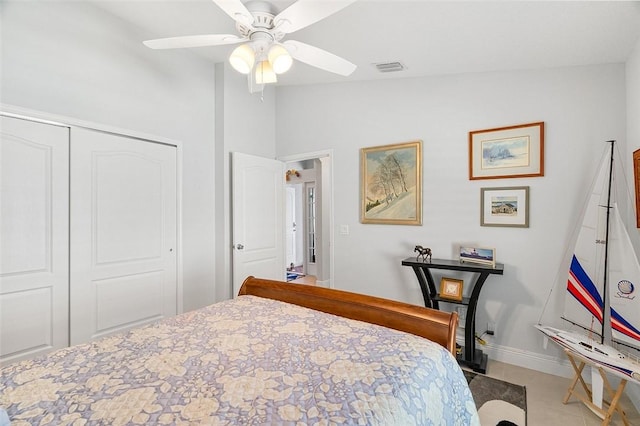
{"x":258,"y":218}
{"x":34,"y":238}
{"x":123,"y":233}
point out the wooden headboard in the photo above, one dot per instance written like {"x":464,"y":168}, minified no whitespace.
{"x":437,"y":326}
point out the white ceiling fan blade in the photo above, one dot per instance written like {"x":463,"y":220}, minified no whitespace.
{"x":319,"y":58}
{"x":193,"y":41}
{"x":306,"y":12}
{"x":236,"y":10}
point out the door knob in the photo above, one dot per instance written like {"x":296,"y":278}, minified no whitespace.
{"x":239,"y":246}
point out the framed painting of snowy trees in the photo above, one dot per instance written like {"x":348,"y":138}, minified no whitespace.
{"x":391,"y":184}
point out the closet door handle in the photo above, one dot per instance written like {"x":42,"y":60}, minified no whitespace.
{"x":239,"y":246}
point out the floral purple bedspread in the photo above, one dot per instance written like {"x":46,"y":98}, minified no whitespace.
{"x":244,"y":361}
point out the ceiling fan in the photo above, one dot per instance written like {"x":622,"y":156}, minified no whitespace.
{"x":262,"y":55}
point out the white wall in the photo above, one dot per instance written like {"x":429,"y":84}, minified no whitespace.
{"x":245,"y":123}
{"x":75,"y":60}
{"x":582,"y":107}
{"x":633,"y":101}
{"x":633,"y":143}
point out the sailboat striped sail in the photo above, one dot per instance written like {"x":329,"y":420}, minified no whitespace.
{"x":602,"y":290}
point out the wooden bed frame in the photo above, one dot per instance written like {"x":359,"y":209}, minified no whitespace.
{"x":437,"y":326}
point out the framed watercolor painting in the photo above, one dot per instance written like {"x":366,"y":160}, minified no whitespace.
{"x":391,"y":184}
{"x":505,"y":206}
{"x":507,"y":152}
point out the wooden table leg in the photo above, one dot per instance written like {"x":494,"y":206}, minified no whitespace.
{"x":615,"y":396}
{"x":578,"y":377}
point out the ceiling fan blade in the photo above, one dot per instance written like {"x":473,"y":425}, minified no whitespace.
{"x":193,"y":41}
{"x":306,"y":12}
{"x":319,"y":58}
{"x":237,"y":10}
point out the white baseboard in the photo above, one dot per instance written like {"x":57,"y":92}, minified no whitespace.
{"x":533,"y":361}
{"x":546,"y":364}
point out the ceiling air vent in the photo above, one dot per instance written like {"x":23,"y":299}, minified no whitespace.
{"x":390,"y":66}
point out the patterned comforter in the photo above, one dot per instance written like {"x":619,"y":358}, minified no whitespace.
{"x":244,"y":361}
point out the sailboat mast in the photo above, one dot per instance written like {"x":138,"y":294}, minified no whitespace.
{"x":606,"y":314}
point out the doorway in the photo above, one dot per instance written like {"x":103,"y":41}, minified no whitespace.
{"x":308,"y":219}
{"x":301,"y":222}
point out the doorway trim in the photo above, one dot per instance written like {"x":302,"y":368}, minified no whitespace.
{"x":327,"y":182}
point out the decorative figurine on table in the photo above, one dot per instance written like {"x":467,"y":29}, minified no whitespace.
{"x":423,"y":252}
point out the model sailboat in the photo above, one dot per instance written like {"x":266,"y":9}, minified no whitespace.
{"x":602,"y":289}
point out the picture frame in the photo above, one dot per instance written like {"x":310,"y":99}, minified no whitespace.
{"x":451,"y":288}
{"x":484,"y":256}
{"x":507,"y":152}
{"x":391,"y":184}
{"x":636,"y":179}
{"x":507,"y":206}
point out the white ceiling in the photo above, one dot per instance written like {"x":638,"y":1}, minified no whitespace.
{"x":428,"y":37}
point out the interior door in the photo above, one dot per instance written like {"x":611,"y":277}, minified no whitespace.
{"x":258,"y":215}
{"x":123,"y":234}
{"x":311,"y":229}
{"x":34,"y":242}
{"x":290,"y":227}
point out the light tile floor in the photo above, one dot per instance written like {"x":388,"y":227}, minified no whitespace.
{"x":307,"y":279}
{"x":545,"y":393}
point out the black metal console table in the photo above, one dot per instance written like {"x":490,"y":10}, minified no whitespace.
{"x":470,"y":356}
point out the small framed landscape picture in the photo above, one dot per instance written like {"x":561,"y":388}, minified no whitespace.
{"x":451,"y":288}
{"x":505,"y":206}
{"x":507,"y":152}
{"x":485,"y":256}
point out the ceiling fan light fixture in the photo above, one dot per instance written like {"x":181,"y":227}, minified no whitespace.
{"x":242,"y":59}
{"x":264,"y":73}
{"x":280,"y":59}
{"x":260,"y":54}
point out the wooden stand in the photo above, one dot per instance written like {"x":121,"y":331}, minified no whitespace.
{"x":578,"y":363}
{"x":470,"y":357}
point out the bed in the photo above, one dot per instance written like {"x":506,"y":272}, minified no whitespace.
{"x":279,"y":353}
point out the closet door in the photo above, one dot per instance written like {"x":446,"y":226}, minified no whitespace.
{"x":34,"y":238}
{"x":123,"y":233}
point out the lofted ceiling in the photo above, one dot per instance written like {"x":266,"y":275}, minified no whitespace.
{"x":427,"y":37}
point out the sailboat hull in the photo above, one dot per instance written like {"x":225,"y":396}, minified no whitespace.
{"x":607,"y":357}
